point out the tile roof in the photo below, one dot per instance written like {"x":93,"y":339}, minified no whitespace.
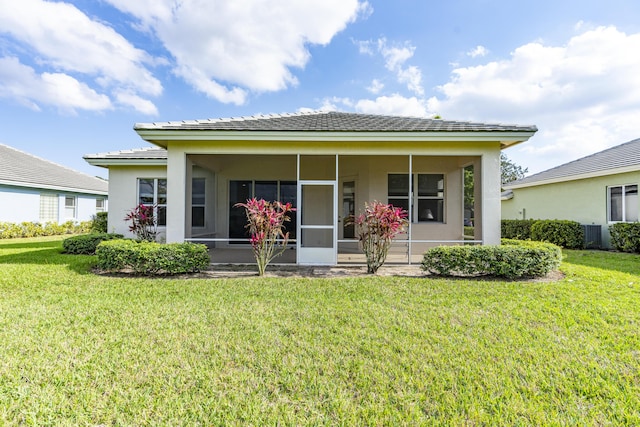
{"x":146,"y":153}
{"x":332,"y":121}
{"x":25,"y":170}
{"x":623,"y":156}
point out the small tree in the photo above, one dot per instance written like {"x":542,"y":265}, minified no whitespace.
{"x":143,"y":222}
{"x":509,"y":171}
{"x":376,"y":228}
{"x":266,"y":227}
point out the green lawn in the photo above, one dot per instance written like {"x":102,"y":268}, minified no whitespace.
{"x":79,"y":349}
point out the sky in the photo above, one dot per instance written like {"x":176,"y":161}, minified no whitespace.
{"x":76,"y":75}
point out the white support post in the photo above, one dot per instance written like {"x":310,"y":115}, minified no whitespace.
{"x":491,"y":213}
{"x":409,"y":248}
{"x":176,"y":189}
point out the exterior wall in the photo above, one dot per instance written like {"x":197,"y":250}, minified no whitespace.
{"x":23,"y":205}
{"x":582,"y":200}
{"x":123,"y":192}
{"x":19,"y":204}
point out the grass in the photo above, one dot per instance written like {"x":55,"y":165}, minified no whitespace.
{"x":80,"y":349}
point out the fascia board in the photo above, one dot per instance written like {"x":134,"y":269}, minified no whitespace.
{"x":160,"y":137}
{"x":52,"y":187}
{"x":576,"y":177}
{"x":106,"y":162}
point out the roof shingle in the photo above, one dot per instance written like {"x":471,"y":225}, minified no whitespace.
{"x":626,"y":155}
{"x":25,"y":170}
{"x":332,"y":121}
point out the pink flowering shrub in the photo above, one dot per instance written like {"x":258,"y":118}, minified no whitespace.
{"x":376,"y":228}
{"x":266,"y":227}
{"x":143,"y":222}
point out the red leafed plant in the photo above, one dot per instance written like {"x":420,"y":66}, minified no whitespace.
{"x":376,"y":228}
{"x":266,"y":227}
{"x":143,"y":222}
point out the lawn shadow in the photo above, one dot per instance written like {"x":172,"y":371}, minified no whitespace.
{"x":44,"y":253}
{"x":606,"y":260}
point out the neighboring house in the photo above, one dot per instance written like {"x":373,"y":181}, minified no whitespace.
{"x":597,"y":191}
{"x":36,"y":190}
{"x":328,"y":164}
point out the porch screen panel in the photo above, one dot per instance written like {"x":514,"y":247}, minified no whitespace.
{"x":288,"y":194}
{"x":239,"y":192}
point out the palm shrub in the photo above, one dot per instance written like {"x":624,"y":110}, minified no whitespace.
{"x":376,"y":228}
{"x":266,"y":222}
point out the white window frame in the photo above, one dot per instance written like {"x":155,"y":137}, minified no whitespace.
{"x":100,"y":205}
{"x":70,"y":209}
{"x":415,"y":198}
{"x":623,"y":208}
{"x":156,"y":205}
{"x":202,"y":205}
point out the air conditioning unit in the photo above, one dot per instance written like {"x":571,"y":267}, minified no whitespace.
{"x":592,"y":236}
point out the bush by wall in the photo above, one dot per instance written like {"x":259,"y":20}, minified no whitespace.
{"x":85,"y":244}
{"x":150,"y":258}
{"x":513,"y":259}
{"x":625,"y":236}
{"x":99,"y":222}
{"x":10,"y":230}
{"x":516,"y":228}
{"x":564,"y":233}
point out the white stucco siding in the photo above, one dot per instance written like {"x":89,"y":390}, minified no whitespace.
{"x":19,"y":205}
{"x":123,"y":194}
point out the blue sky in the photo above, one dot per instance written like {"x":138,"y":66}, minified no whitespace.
{"x":76,"y":75}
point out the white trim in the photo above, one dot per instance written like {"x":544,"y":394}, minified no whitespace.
{"x":53,"y":187}
{"x":596,"y":174}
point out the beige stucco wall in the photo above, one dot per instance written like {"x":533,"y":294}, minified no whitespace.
{"x":582,"y":200}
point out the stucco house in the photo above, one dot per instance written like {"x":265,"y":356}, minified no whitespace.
{"x":36,"y":190}
{"x":328,"y":164}
{"x":596,"y":190}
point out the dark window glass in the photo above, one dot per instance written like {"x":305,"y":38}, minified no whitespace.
{"x":398,"y":184}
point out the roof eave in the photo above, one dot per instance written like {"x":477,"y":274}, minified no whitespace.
{"x":161,"y":138}
{"x":53,"y":187}
{"x":106,"y":162}
{"x":576,"y":177}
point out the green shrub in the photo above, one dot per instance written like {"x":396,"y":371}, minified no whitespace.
{"x":150,"y":258}
{"x":99,"y":223}
{"x":625,"y":236}
{"x":10,"y":230}
{"x":516,"y":228}
{"x":564,"y":233}
{"x":85,"y":244}
{"x":513,"y":259}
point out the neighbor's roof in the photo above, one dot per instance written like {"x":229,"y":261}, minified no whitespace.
{"x":332,"y":121}
{"x":21,"y":169}
{"x":619,"y":159}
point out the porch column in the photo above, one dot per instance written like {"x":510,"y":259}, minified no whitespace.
{"x":490,"y":181}
{"x":176,"y":188}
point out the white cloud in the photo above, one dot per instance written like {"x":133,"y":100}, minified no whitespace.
{"x":478,"y":51}
{"x":395,"y":57}
{"x":584,"y":96}
{"x":395,"y":104}
{"x":222,"y":48}
{"x":22,"y":83}
{"x":375,"y":87}
{"x":64,"y":39}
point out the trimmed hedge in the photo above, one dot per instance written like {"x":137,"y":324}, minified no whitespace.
{"x":11,"y":230}
{"x":564,"y":233}
{"x":151,"y":258}
{"x":516,"y":228}
{"x":512,"y":260}
{"x":85,"y":244}
{"x":625,"y":236}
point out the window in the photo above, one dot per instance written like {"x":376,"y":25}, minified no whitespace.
{"x":623,"y":203}
{"x":153,"y":191}
{"x":240,"y":191}
{"x":198,"y":196}
{"x":48,"y":207}
{"x":99,"y":205}
{"x":427,"y":203}
{"x":69,"y":207}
